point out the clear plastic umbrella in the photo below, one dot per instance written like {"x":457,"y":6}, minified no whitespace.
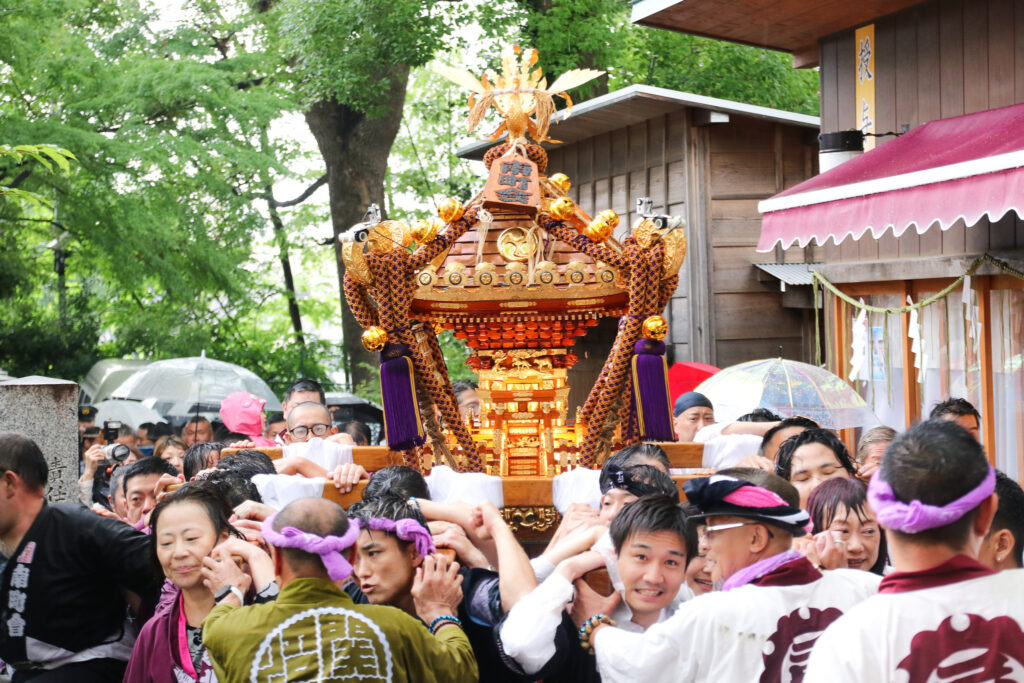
{"x":131,"y":413}
{"x":182,"y":386}
{"x":788,"y":388}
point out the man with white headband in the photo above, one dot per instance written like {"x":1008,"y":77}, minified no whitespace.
{"x":942,"y":615}
{"x":761,"y":623}
{"x":314,"y":631}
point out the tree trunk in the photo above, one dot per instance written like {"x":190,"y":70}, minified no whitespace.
{"x":355,"y":149}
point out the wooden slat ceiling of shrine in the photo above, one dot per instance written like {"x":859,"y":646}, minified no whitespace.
{"x":786,"y":25}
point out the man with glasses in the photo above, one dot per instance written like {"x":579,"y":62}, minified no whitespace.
{"x":763,"y":620}
{"x":307,"y":421}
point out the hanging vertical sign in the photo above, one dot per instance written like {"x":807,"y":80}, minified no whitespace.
{"x":864,"y":44}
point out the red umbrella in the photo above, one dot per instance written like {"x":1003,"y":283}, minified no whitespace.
{"x":683,"y":377}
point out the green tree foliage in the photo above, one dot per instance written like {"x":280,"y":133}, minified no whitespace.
{"x":165,"y":204}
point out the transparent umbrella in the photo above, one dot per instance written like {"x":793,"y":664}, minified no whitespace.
{"x":788,"y":388}
{"x":132,"y":413}
{"x":181,"y":386}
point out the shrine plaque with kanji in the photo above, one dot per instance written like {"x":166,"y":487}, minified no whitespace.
{"x":513,"y":185}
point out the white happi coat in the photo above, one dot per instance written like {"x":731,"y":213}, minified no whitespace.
{"x":749,"y":634}
{"x":966,"y":631}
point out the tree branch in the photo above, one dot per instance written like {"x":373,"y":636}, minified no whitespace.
{"x":301,"y":198}
{"x":20,"y":178}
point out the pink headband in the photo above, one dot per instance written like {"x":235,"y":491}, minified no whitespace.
{"x":406,"y":529}
{"x":915,"y":516}
{"x":756,"y":497}
{"x":329,"y":548}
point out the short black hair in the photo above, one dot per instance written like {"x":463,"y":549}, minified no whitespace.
{"x":958,"y":407}
{"x":463,"y":385}
{"x":275,"y":417}
{"x":1010,"y":513}
{"x":125,"y":430}
{"x":935,"y":462}
{"x":786,"y":423}
{"x":359,"y":432}
{"x":196,"y":419}
{"x":784,"y":461}
{"x":654,"y":513}
{"x":852,"y":494}
{"x":399,"y":480}
{"x":157,"y":430}
{"x":197,"y":457}
{"x":305,"y":384}
{"x":766,"y":480}
{"x":149,"y":465}
{"x":634,"y":455}
{"x":203,"y":493}
{"x":21,"y":455}
{"x":315,"y":516}
{"x":247,"y":463}
{"x":147,"y":426}
{"x":759,"y":415}
{"x":235,"y":486}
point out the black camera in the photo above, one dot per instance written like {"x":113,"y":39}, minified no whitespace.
{"x":110,"y":430}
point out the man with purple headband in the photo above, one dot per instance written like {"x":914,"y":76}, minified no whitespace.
{"x":761,"y":623}
{"x":941,"y":615}
{"x":314,"y":631}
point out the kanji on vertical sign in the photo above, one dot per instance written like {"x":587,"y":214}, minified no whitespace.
{"x":513,"y":184}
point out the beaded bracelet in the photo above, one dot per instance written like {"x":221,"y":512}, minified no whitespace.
{"x":587,"y":628}
{"x":440,"y":621}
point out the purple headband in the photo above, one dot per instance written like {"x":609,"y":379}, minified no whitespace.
{"x":327,"y":547}
{"x":915,"y":516}
{"x":406,"y":529}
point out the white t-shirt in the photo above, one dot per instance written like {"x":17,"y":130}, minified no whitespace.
{"x":725,"y":450}
{"x":970,"y":630}
{"x":751,"y":633}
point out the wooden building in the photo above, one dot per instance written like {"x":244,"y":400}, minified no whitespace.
{"x":892,"y":67}
{"x":710,"y":161}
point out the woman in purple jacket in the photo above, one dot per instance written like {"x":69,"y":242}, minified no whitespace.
{"x":187,"y":525}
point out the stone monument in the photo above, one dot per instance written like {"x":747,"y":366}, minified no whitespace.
{"x":46,"y":410}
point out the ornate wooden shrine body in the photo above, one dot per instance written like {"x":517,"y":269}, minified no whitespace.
{"x":512,"y":274}
{"x":520,"y":299}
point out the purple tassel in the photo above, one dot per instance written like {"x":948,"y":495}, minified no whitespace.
{"x":402,"y":423}
{"x":650,"y":391}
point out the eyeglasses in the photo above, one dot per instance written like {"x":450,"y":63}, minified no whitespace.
{"x":302,"y":431}
{"x":710,"y":529}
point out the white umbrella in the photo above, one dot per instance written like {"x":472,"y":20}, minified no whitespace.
{"x":182,"y":386}
{"x":131,"y":413}
{"x":787,"y":388}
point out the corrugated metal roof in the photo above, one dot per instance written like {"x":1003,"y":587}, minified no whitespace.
{"x":637,"y":103}
{"x":790,"y":273}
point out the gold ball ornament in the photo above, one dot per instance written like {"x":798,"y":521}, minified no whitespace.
{"x":374,"y":339}
{"x":562,"y":208}
{"x":424,"y":231}
{"x":450,"y":210}
{"x":609,"y":217}
{"x":561,"y":181}
{"x":654,"y":328}
{"x":598,"y":230}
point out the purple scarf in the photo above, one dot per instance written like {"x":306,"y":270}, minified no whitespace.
{"x":915,"y":516}
{"x":327,"y":547}
{"x":759,"y":569}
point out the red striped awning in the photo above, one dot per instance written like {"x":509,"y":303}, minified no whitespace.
{"x":964,"y":167}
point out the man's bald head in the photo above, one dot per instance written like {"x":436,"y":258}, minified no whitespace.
{"x":307,"y":419}
{"x":314,"y":516}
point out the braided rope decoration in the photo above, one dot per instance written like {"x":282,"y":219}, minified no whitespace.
{"x":609,"y":401}
{"x":394,"y":272}
{"x":534,"y":153}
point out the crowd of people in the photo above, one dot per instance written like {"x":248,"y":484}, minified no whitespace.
{"x":794,"y":560}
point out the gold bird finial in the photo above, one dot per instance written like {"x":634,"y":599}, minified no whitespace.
{"x":518,"y":93}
